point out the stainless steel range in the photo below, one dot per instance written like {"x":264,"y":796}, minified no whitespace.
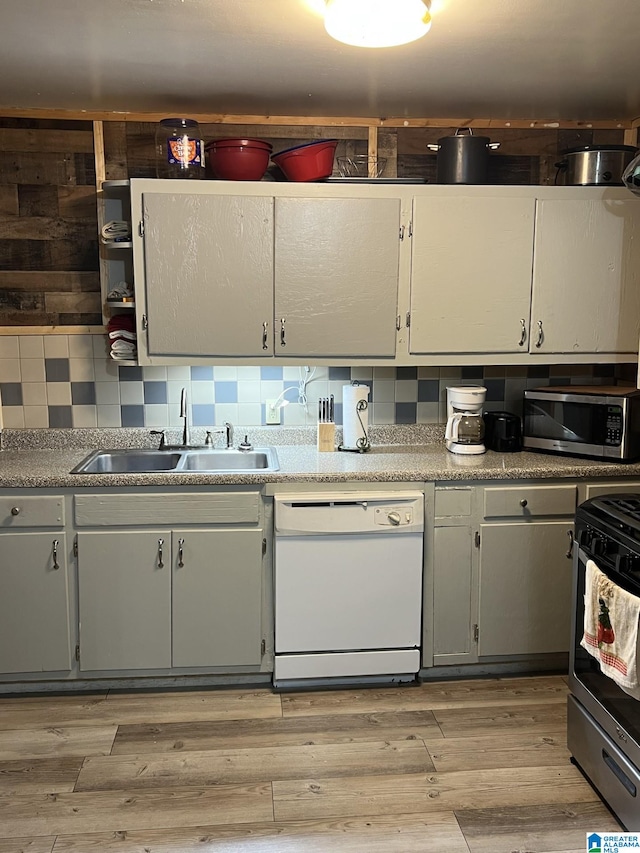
{"x":603,"y":720}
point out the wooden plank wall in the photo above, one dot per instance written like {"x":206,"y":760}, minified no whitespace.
{"x":49,"y":266}
{"x":48,"y":226}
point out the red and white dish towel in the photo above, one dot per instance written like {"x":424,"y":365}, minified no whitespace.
{"x":611,"y":618}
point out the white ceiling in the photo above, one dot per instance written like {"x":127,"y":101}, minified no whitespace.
{"x":505,"y":59}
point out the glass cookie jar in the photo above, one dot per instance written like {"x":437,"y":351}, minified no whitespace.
{"x":179,"y":149}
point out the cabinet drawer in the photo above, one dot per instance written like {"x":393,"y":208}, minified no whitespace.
{"x":596,"y":490}
{"x":134,"y":510}
{"x":18,"y":511}
{"x":529,"y":501}
{"x":452,"y":502}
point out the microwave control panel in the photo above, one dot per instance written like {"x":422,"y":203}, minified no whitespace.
{"x":613,"y":434}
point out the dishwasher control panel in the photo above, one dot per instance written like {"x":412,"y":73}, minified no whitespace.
{"x":394,"y":516}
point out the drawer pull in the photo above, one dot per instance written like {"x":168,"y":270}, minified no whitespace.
{"x":524,"y":502}
{"x":54,"y":553}
{"x":180,"y":553}
{"x":160,"y":546}
{"x":15,"y":510}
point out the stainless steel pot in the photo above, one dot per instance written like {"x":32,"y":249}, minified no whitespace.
{"x":594,"y":165}
{"x":463,"y":159}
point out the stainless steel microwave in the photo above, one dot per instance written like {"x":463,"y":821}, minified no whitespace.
{"x":600,"y":421}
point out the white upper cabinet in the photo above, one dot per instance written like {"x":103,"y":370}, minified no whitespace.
{"x":208,"y":263}
{"x":586,"y":276}
{"x":471,"y":274}
{"x":336,"y":276}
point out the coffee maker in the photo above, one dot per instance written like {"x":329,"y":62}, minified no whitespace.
{"x":465,"y":426}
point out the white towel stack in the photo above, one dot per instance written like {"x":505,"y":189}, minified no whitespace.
{"x":116,"y":231}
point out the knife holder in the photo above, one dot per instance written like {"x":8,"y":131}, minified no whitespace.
{"x":326,"y":438}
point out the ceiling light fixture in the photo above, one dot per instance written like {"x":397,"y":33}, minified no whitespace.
{"x":377,"y":23}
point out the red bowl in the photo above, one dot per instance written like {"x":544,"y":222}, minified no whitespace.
{"x":309,"y":162}
{"x":234,"y":161}
{"x":232,"y":143}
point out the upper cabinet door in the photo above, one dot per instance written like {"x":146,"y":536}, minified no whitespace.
{"x":471,"y":274}
{"x":208,"y":274}
{"x":336,"y":276}
{"x":586,"y":276}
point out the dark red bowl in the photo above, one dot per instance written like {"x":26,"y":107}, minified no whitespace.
{"x":309,"y":162}
{"x":237,"y":159}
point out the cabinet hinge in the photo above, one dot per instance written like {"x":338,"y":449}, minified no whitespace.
{"x":476,"y":633}
{"x":264,"y":547}
{"x":141,"y":228}
{"x":477,"y":539}
{"x":407,"y":319}
{"x":145,"y":324}
{"x":398,"y":323}
{"x":411,"y":228}
{"x":75,"y":547}
{"x":401,"y":233}
{"x":263,"y":647}
{"x":77,"y":655}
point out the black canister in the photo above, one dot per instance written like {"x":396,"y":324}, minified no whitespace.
{"x":503,"y":432}
{"x":463,"y":159}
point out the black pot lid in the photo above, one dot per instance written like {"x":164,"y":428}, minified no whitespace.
{"x":582,"y":148}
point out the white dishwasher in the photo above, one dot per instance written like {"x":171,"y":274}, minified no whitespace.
{"x":348,"y":586}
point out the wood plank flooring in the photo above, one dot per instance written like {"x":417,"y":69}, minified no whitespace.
{"x":473,"y":766}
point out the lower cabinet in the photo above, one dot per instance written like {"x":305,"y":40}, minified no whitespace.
{"x":34,"y":602}
{"x":169,"y":597}
{"x":502,"y":571}
{"x":156,"y":599}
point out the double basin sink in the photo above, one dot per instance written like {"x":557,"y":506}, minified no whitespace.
{"x":179,"y":461}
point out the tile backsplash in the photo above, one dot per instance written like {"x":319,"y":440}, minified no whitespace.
{"x":67,"y":381}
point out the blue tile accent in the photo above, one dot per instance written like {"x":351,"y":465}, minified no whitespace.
{"x":338,"y":373}
{"x":472,"y":373}
{"x":155,"y":392}
{"x":428,"y":390}
{"x":226,"y":392}
{"x":202,"y":374}
{"x":406,"y":372}
{"x":560,"y":380}
{"x":60,"y":416}
{"x":495,"y":389}
{"x":270,"y":373}
{"x":83,"y":393}
{"x":337,"y":413}
{"x":11,"y":393}
{"x":601,"y":370}
{"x":129,"y":373}
{"x":132,"y":416}
{"x":203,"y":414}
{"x":538,"y":371}
{"x":56,"y":369}
{"x":406,"y":413}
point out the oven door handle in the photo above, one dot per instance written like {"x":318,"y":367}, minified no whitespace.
{"x":569,"y":554}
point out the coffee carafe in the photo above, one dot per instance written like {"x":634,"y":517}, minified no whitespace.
{"x":464,"y":432}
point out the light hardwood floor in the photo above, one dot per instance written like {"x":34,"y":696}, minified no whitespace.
{"x":474,"y":766}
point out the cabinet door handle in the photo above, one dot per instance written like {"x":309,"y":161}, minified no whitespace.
{"x":265,"y":345}
{"x":160,"y":547}
{"x":569,"y":553}
{"x":523,"y":333}
{"x":54,"y":554}
{"x":180,"y":553}
{"x":540,"y":334}
{"x":283,"y":341}
{"x":15,"y":510}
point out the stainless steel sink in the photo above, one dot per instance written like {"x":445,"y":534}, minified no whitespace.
{"x":127,"y":462}
{"x":259,"y":459}
{"x":175,"y":460}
